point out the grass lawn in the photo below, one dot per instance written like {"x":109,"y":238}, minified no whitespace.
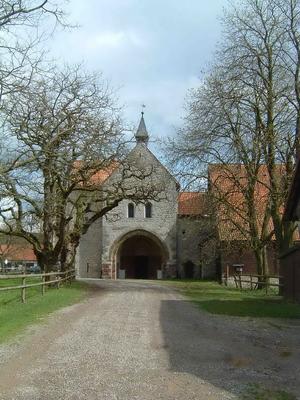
{"x":217,"y":299}
{"x":256,"y":392}
{"x":15,"y":316}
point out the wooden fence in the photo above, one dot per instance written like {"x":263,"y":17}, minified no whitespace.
{"x":253,"y":282}
{"x":54,"y":278}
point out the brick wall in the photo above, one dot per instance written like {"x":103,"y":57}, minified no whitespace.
{"x":244,"y":255}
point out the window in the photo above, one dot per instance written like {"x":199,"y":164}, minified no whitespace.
{"x":130,"y":210}
{"x":148,"y":210}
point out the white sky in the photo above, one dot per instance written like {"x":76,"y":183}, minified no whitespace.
{"x":153,"y":51}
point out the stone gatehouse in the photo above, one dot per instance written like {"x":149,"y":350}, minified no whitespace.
{"x":149,"y":240}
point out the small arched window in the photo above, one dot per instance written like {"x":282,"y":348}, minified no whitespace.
{"x":130,"y":210}
{"x":148,"y":210}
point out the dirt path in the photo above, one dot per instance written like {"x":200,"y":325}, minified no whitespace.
{"x":135,"y":340}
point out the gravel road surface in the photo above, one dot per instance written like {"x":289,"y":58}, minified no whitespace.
{"x":135,"y":340}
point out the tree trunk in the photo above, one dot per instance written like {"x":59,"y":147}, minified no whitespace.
{"x":261,"y":265}
{"x":68,"y":254}
{"x":46,"y":263}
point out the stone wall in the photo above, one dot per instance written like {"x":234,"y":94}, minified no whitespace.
{"x":196,"y":253}
{"x":162,"y":223}
{"x":95,"y":255}
{"x":88,"y":259}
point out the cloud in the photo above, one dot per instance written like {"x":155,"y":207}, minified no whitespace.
{"x":113,"y":40}
{"x":164,"y":99}
{"x":154,"y":51}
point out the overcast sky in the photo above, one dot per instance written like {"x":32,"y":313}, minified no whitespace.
{"x":152,"y":50}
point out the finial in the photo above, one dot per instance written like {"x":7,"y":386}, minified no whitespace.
{"x":143,"y":106}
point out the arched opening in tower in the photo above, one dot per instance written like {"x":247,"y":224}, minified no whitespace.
{"x":140,"y":257}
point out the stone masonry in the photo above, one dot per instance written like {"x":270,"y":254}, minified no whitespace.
{"x":100,"y":250}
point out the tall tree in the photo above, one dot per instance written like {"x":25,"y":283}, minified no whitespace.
{"x":247,"y":111}
{"x":66,"y":140}
{"x":267,"y":62}
{"x":20,"y":24}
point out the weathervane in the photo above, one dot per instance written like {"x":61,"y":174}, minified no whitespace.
{"x":143,"y":106}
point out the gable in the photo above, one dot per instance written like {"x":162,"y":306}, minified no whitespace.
{"x":142,"y":162}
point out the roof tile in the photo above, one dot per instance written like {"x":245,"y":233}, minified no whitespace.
{"x":192,"y":203}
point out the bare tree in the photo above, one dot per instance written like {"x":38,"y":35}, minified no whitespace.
{"x":22,"y":28}
{"x":246,"y":112}
{"x":268,"y":61}
{"x":66,"y":140}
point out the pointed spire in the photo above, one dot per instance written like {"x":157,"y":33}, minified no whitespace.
{"x":141,"y":133}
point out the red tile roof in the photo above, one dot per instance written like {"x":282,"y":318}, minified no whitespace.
{"x":95,"y":176}
{"x":227,"y":183}
{"x":192,"y":203}
{"x":15,"y":252}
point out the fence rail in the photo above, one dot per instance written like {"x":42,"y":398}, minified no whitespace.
{"x":253,"y":282}
{"x":64,"y":276}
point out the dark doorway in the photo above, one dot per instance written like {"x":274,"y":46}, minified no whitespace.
{"x":189,"y":270}
{"x":140,"y":258}
{"x":141,"y":267}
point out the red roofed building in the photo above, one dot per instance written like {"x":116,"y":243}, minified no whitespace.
{"x":228,"y":185}
{"x":17,"y":256}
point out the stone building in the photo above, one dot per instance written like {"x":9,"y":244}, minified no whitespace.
{"x":148,"y":240}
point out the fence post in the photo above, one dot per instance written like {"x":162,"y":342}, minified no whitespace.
{"x":58,"y":281}
{"x":240,"y":281}
{"x":23,"y":290}
{"x":226,"y":275}
{"x":235,"y":281}
{"x":43,"y":285}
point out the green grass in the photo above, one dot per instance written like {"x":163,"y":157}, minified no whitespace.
{"x":217,"y":299}
{"x":256,"y":392}
{"x":15,"y":316}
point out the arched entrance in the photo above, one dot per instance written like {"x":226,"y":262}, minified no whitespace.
{"x":140,"y":255}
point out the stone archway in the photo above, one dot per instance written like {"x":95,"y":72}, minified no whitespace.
{"x":139,"y":255}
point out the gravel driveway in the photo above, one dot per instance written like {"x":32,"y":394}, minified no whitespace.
{"x":140,"y":340}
